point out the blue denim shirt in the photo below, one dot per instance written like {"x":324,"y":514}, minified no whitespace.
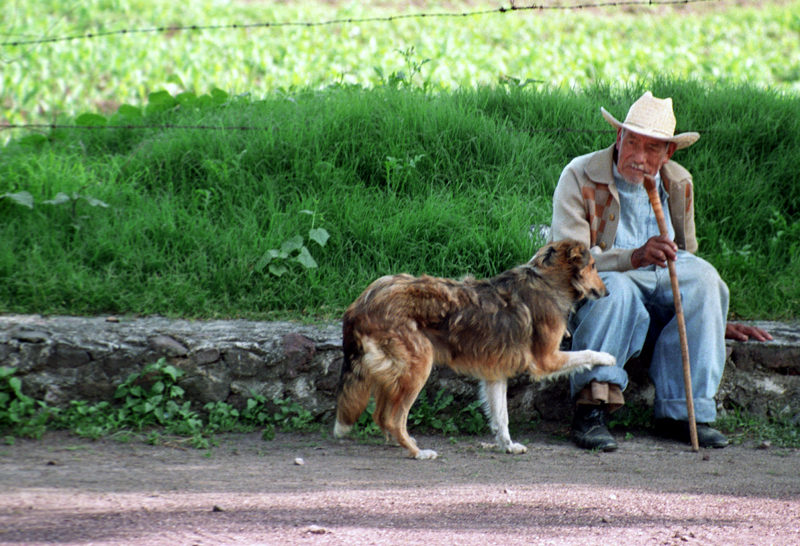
{"x":637,"y":221}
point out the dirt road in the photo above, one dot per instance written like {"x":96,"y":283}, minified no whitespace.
{"x":313,"y":490}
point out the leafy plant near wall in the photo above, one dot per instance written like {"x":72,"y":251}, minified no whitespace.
{"x":149,"y":405}
{"x":20,"y":415}
{"x":431,"y":413}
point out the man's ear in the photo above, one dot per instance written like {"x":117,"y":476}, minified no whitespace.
{"x":671,"y":150}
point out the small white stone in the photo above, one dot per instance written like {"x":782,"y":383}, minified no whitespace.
{"x":299,"y":461}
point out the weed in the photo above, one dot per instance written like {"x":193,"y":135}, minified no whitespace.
{"x":404,"y":79}
{"x":631,"y":416}
{"x":292,"y":416}
{"x":438,"y":413}
{"x":740,"y":424}
{"x":293,"y":250}
{"x":20,"y":415}
{"x":428,"y":413}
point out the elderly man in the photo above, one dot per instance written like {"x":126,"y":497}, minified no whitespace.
{"x":600,"y":200}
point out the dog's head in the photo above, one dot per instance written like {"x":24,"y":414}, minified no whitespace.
{"x":574,"y":260}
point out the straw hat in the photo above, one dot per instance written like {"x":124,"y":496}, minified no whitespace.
{"x":654,"y":118}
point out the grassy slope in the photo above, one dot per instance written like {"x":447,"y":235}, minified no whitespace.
{"x":446,"y":184}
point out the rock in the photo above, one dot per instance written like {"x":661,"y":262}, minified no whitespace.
{"x":60,"y":359}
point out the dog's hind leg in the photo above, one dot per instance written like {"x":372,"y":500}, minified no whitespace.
{"x":395,"y":401}
{"x":351,"y":400}
{"x":495,"y":402}
{"x":391,"y":415}
{"x":351,"y":403}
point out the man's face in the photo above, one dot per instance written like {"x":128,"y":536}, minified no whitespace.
{"x":638,"y":155}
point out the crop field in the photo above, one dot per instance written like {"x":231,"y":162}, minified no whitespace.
{"x":52,"y":71}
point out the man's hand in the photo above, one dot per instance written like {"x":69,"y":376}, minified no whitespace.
{"x":657,"y":250}
{"x":742,"y":332}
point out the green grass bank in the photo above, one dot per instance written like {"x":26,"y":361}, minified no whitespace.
{"x":183,"y":214}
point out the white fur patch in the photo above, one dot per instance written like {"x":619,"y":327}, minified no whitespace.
{"x":426,"y":455}
{"x":340,"y":430}
{"x":375,"y":360}
{"x":583,"y":360}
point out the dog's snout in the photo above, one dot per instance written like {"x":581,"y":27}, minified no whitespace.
{"x":597,"y":294}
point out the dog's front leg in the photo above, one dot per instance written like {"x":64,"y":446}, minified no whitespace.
{"x":494,"y":396}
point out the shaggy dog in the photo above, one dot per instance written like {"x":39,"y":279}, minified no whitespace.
{"x":492,"y":329}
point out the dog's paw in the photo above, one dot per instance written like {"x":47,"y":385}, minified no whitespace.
{"x":605,"y":359}
{"x":340,"y":430}
{"x":426,"y":455}
{"x":516,"y":449}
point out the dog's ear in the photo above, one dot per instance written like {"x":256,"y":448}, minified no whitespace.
{"x":578,"y":255}
{"x":545,"y":256}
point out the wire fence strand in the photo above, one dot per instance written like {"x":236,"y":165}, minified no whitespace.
{"x":41,"y":127}
{"x":390,"y":18}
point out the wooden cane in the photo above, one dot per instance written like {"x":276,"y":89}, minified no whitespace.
{"x":655,"y":201}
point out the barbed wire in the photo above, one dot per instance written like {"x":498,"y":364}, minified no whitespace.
{"x":389,"y":18}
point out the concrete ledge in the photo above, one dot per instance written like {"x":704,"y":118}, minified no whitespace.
{"x":61,"y":359}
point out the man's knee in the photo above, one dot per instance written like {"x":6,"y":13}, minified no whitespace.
{"x":624,"y":295}
{"x":700,"y":280}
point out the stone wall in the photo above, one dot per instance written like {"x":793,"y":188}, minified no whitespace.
{"x":60,"y":359}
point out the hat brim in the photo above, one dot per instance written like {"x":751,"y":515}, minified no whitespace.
{"x":682,"y":140}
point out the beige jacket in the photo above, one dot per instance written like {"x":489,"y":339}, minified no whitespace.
{"x":586,"y":207}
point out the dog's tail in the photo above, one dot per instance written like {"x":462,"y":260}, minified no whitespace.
{"x":354,"y":389}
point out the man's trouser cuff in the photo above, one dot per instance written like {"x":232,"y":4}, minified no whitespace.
{"x":597,"y":393}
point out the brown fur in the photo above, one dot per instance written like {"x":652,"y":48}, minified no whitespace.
{"x":491,"y":329}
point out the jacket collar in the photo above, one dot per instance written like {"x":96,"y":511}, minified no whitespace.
{"x":600,"y":169}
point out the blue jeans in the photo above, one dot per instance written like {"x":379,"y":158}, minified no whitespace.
{"x":640,"y":309}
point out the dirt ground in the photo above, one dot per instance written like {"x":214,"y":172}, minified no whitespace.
{"x":310,"y":489}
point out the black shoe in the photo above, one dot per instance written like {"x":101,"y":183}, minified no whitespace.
{"x":679,"y":430}
{"x":589,"y":428}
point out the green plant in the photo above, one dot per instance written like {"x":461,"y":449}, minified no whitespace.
{"x":222,"y":417}
{"x":429,"y":413}
{"x":400,"y":79}
{"x":293,"y":250}
{"x":145,"y":401}
{"x":365,"y":425}
{"x":631,"y":416}
{"x":442,"y":414}
{"x":741,"y":425}
{"x":20,"y":415}
{"x":291,"y":416}
{"x":153,"y":397}
{"x":90,"y":420}
{"x":23,"y":198}
{"x":72,"y":201}
{"x":471,"y":419}
{"x":396,"y":174}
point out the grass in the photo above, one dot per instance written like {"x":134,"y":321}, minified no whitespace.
{"x":182,"y":222}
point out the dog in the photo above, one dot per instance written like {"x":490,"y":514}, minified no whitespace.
{"x":492,"y":329}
